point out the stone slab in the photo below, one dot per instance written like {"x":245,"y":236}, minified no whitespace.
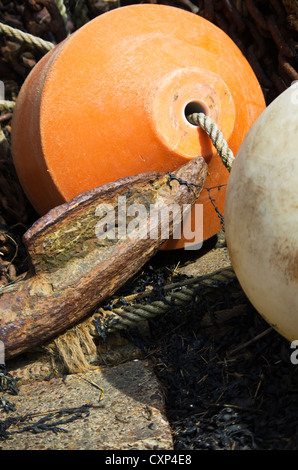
{"x":131,"y":414}
{"x":212,"y":261}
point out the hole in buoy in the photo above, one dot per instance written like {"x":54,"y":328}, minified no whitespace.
{"x":195,"y":107}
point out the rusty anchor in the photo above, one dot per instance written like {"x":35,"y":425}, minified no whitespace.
{"x":73,"y":269}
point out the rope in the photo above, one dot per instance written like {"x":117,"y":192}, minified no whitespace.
{"x":176,"y":294}
{"x":216,"y":136}
{"x":25,"y":38}
{"x":63,"y":13}
{"x":6,"y":105}
{"x":76,"y":350}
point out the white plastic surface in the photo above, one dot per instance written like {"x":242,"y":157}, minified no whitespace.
{"x":261,"y":214}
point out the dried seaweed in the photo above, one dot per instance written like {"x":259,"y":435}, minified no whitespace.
{"x":7,"y":381}
{"x":216,"y":399}
{"x":48,"y":421}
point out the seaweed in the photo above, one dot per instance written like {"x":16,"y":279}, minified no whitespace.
{"x":48,"y":421}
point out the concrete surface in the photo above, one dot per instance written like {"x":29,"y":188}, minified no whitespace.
{"x":130,"y":414}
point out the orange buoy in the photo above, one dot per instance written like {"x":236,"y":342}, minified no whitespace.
{"x":112,"y":101}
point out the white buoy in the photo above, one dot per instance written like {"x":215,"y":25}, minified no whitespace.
{"x":261,"y":214}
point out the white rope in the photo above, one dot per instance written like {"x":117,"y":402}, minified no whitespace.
{"x":6,"y":105}
{"x":216,"y":136}
{"x":29,"y":39}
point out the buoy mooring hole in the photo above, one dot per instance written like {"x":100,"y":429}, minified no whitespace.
{"x":194,"y":107}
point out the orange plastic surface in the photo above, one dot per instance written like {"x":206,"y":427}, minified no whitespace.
{"x":109,"y":101}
